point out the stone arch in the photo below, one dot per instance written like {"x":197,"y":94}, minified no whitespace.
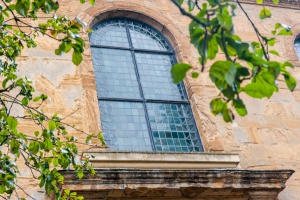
{"x":288,"y":42}
{"x":100,"y":12}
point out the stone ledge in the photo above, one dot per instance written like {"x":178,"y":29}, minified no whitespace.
{"x":289,"y":4}
{"x":162,"y":160}
{"x":180,"y":184}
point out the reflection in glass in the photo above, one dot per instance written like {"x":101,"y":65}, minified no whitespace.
{"x":124,"y":125}
{"x":114,"y":73}
{"x":110,"y":33}
{"x":154,"y":70}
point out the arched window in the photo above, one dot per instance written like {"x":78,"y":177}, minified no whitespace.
{"x":141,"y":109}
{"x":297,"y":47}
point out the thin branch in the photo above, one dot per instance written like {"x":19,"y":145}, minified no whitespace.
{"x":24,"y":192}
{"x":70,"y":114}
{"x":259,"y":36}
{"x":4,"y":197}
{"x":197,"y":4}
{"x":184,"y":12}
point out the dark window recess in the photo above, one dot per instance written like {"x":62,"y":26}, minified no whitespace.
{"x":297,"y":47}
{"x":141,"y":109}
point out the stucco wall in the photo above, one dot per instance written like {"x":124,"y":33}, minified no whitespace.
{"x":267,"y":138}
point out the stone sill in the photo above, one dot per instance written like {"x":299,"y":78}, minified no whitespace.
{"x":161,"y":160}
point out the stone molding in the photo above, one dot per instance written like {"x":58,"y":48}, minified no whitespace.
{"x":289,"y":4}
{"x":162,"y":160}
{"x":182,"y":184}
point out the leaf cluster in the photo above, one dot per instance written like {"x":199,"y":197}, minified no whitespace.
{"x":247,"y":67}
{"x":51,"y":147}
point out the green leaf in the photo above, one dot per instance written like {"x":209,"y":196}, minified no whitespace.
{"x":76,"y":57}
{"x":92,"y":2}
{"x":212,"y":48}
{"x":36,"y":133}
{"x":80,"y":173}
{"x":271,"y":41}
{"x":25,"y":101}
{"x":288,"y":64}
{"x":223,"y":70}
{"x":227,"y":115}
{"x":191,"y":4}
{"x":225,"y":20}
{"x":274,"y":52}
{"x":55,"y":162}
{"x":195,"y":75}
{"x":179,"y":1}
{"x":179,"y":71}
{"x":12,"y":122}
{"x":290,"y":81}
{"x":48,"y":144}
{"x":216,"y":106}
{"x":51,"y":125}
{"x":14,"y":146}
{"x":37,"y":99}
{"x":285,"y":31}
{"x":22,"y":7}
{"x":101,"y":138}
{"x":240,"y":107}
{"x":265,"y":13}
{"x":252,"y":90}
{"x":196,"y":33}
{"x":275,"y":1}
{"x":259,"y":1}
{"x":33,"y":147}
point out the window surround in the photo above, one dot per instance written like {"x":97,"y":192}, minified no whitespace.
{"x":209,"y":133}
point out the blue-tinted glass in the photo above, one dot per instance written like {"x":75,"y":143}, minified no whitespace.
{"x":114,"y":73}
{"x":144,"y":37}
{"x":124,"y":126}
{"x":297,"y":47}
{"x":154,"y":70}
{"x":173,"y":128}
{"x":110,"y":33}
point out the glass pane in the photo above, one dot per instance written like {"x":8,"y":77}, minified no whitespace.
{"x":110,"y":33}
{"x":124,"y":126}
{"x":115,"y":74}
{"x":144,"y":37}
{"x":297,"y":47}
{"x":156,"y":78}
{"x":173,"y":127}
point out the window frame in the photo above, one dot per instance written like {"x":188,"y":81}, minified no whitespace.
{"x":143,"y":100}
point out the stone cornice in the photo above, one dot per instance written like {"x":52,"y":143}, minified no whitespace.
{"x":222,"y":178}
{"x":290,"y":4}
{"x":264,"y":184}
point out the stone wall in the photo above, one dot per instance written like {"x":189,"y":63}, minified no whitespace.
{"x":267,"y":138}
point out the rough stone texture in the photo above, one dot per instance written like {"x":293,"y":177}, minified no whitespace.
{"x":268,"y":138}
{"x":179,"y":184}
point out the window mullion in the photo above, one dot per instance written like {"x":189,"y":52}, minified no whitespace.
{"x":140,"y":86}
